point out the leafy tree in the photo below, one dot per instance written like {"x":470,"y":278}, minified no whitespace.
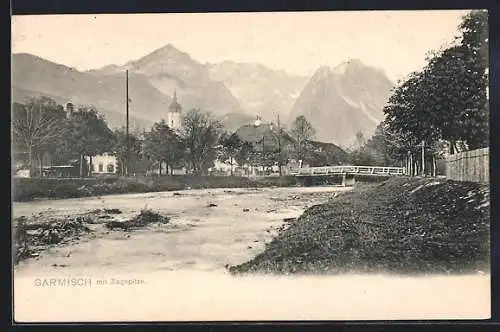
{"x":163,"y":145}
{"x":243,"y":155}
{"x":284,"y":146}
{"x":360,"y":139}
{"x":301,"y":132}
{"x":458,"y":97}
{"x":120,"y":150}
{"x":385,"y":148}
{"x":88,"y":135}
{"x":200,"y":134}
{"x":231,"y":146}
{"x":36,"y":127}
{"x":447,"y":100}
{"x":324,"y":154}
{"x":377,"y":151}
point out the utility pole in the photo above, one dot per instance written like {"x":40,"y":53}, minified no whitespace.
{"x":423,"y":158}
{"x":127,"y":134}
{"x":263,"y":153}
{"x":279,"y":144}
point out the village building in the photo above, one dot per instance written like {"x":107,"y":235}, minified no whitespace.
{"x":103,"y":164}
{"x":263,"y":136}
{"x":20,"y":163}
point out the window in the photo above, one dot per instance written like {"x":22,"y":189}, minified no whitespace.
{"x":111,"y":168}
{"x":101,"y":167}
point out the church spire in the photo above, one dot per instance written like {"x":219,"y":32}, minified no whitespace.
{"x":175,"y":106}
{"x":174,"y":116}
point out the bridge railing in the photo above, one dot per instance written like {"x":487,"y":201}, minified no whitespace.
{"x":326,"y":170}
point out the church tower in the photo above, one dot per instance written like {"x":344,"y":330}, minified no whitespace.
{"x":174,"y":114}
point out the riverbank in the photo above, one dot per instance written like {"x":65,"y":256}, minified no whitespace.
{"x":403,"y":225}
{"x":28,"y":189}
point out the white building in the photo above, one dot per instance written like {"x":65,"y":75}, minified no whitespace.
{"x":69,"y":108}
{"x":223,"y":166}
{"x":104,"y":164}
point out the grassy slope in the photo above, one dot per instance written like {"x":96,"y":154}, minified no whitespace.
{"x":401,"y":225}
{"x":27,"y":189}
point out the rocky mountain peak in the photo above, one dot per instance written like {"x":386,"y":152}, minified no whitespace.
{"x":339,"y":100}
{"x":165,"y":54}
{"x":342,"y":100}
{"x":347,"y":65}
{"x":323,"y":71}
{"x":168,"y":49}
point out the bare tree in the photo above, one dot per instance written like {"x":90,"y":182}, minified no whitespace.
{"x":35,"y":126}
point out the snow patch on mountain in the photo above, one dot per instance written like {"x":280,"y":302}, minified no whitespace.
{"x":346,"y":99}
{"x":367,"y":113}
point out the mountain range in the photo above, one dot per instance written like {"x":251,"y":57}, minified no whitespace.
{"x":343,"y":100}
{"x":339,"y":101}
{"x":167,"y":69}
{"x":259,"y":89}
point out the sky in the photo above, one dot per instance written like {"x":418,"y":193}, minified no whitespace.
{"x":297,"y":42}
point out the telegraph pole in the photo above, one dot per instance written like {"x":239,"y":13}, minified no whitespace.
{"x":279,"y":144}
{"x":263,"y":154}
{"x":127,"y":134}
{"x":423,"y":158}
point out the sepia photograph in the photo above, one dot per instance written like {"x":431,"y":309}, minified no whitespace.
{"x":258,"y":166}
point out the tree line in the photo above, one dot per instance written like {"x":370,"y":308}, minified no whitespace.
{"x":441,"y":109}
{"x":41,"y":126}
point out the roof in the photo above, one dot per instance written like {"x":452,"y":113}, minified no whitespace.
{"x":254,"y":134}
{"x":330,"y":147}
{"x":175,"y":106}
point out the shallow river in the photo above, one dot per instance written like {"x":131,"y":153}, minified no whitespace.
{"x":197,"y":237}
{"x":176,"y":271}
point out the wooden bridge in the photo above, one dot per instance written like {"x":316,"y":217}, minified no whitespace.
{"x":348,"y":173}
{"x":365,"y":170}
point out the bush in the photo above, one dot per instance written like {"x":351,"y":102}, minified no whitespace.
{"x":147,"y":216}
{"x":31,"y":238}
{"x":144,"y":218}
